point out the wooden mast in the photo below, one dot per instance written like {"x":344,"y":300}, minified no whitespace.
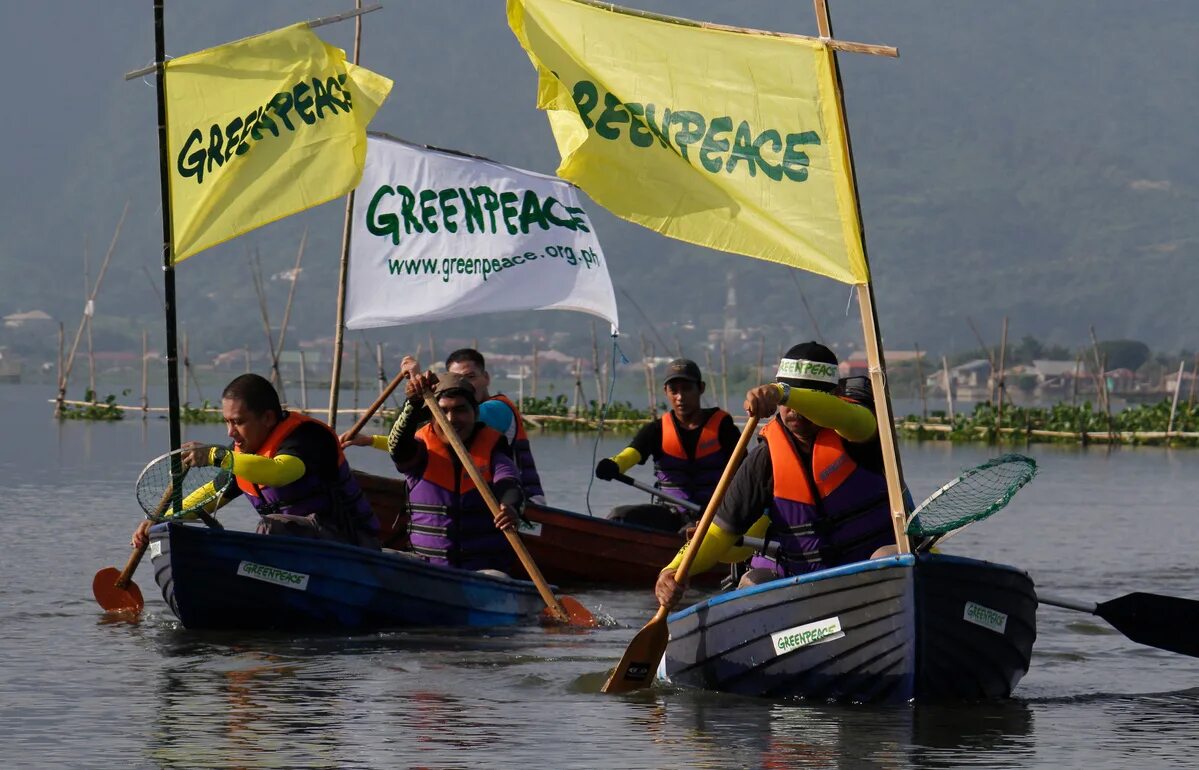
{"x":874,"y":347}
{"x":343,"y":274}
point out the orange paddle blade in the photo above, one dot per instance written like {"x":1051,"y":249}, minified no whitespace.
{"x":576,"y":613}
{"x":640,"y":662}
{"x":113,"y":599}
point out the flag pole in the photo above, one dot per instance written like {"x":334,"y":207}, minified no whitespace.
{"x":870,"y":331}
{"x":347,"y":222}
{"x":168,"y":251}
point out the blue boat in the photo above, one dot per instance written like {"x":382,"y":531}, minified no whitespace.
{"x":930,"y":627}
{"x":221,"y":579}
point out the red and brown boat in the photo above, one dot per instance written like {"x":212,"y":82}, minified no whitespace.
{"x":569,"y":548}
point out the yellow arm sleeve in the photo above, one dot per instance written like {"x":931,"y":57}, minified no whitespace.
{"x":852,"y":422}
{"x":626,"y":458}
{"x":189,"y":502}
{"x":716,"y":543}
{"x":379,"y":442}
{"x":742,"y":552}
{"x":268,"y":471}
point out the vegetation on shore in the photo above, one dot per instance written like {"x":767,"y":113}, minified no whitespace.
{"x":1061,"y":423}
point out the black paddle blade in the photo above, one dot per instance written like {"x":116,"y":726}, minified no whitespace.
{"x":1165,"y":622}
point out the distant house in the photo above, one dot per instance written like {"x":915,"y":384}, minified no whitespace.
{"x":32,"y":318}
{"x":856,"y":364}
{"x":1121,"y":380}
{"x":1054,"y":374}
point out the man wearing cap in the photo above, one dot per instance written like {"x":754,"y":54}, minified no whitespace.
{"x":818,"y":474}
{"x":690,"y":447}
{"x":450,"y":522}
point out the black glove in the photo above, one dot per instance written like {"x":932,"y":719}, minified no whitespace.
{"x":607,"y":469}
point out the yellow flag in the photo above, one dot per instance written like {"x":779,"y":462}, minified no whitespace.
{"x":726,"y":139}
{"x":260,"y":129}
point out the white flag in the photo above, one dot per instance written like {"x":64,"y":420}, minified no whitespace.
{"x":441,"y":235}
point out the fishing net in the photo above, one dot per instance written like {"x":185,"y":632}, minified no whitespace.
{"x":973,"y":496}
{"x":164,"y":475}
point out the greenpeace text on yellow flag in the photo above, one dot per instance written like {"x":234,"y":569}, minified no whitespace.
{"x":726,"y":139}
{"x":260,"y":129}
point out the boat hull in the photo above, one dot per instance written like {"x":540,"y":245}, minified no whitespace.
{"x":887,"y":630}
{"x":569,"y":548}
{"x":239,"y":580}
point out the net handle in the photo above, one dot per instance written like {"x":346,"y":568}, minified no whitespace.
{"x":157,"y":511}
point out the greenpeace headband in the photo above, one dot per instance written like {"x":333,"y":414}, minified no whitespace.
{"x":802,"y":369}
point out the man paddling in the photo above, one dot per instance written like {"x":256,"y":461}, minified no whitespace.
{"x":690,"y":447}
{"x":496,"y":411}
{"x":288,"y":465}
{"x":450,"y":523}
{"x":818,"y":474}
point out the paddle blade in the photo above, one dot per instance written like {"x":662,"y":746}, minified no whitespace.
{"x":640,"y":662}
{"x":112,"y":598}
{"x":576,"y":614}
{"x":1166,"y":622}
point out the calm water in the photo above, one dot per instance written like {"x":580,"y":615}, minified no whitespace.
{"x":81,"y":690}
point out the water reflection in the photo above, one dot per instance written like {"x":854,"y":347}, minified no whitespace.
{"x":727,"y":731}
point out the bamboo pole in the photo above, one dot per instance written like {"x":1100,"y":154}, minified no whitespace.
{"x":58,"y":400}
{"x":1101,"y":376}
{"x":432,"y":349}
{"x":260,"y":290}
{"x":874,"y":353}
{"x":303,"y":383}
{"x":647,"y":366}
{"x":595,"y":368}
{"x":948,"y":388}
{"x":291,"y":294}
{"x":64,"y":371}
{"x":1001,"y":387}
{"x":356,"y":375}
{"x":186,"y":373}
{"x":708,"y":369}
{"x":990,"y":359}
{"x":761,"y":359}
{"x":578,"y":395}
{"x":87,"y":313}
{"x":145,"y":373}
{"x":536,"y":369}
{"x":380,"y":375}
{"x":920,"y":384}
{"x":339,"y":322}
{"x":1174,"y":405}
{"x":724,"y":376}
{"x":1074,"y":381}
{"x":1194,"y":376}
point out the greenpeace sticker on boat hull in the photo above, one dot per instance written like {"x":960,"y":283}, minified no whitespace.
{"x":802,"y":636}
{"x":280,"y":577}
{"x":990,"y":619}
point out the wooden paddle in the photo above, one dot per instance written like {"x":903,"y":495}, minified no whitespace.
{"x":370,"y":412}
{"x":1166,"y":622}
{"x":114,"y":589}
{"x":636,"y":669}
{"x":563,"y":609}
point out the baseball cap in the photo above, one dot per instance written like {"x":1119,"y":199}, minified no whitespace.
{"x":450,"y":384}
{"x":683,"y":369}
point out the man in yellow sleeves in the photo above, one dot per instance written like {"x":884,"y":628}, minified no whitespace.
{"x":818,"y":474}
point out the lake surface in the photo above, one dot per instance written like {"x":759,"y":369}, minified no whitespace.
{"x":82,"y":690}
